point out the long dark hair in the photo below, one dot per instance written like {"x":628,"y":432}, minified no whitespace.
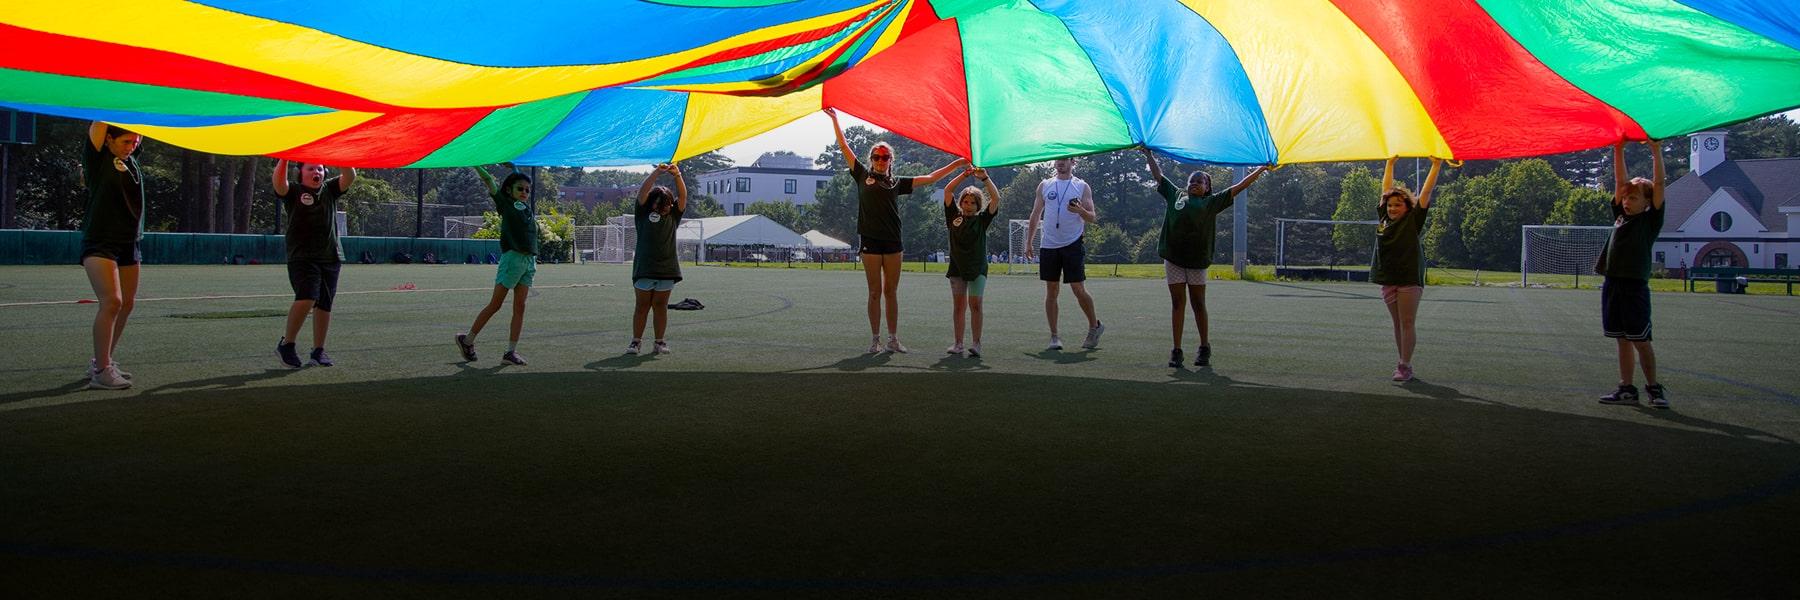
{"x":659,"y":199}
{"x":514,"y":177}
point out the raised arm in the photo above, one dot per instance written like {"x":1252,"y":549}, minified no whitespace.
{"x":650,"y":183}
{"x":1150,"y":159}
{"x":1250,"y":178}
{"x":279,"y":177}
{"x":1619,"y":178}
{"x":1387,"y":176}
{"x":1430,"y":182}
{"x":940,"y":173}
{"x":97,"y":135}
{"x":1656,"y":159}
{"x":680,"y":188}
{"x":487,"y":179}
{"x":345,"y":178}
{"x":950,"y":188}
{"x":843,"y":144}
{"x":992,"y":190}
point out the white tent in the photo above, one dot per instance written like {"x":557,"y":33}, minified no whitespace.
{"x":821,"y":241}
{"x":742,"y":230}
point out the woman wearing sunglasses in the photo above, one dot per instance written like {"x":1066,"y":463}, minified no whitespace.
{"x":878,"y":226}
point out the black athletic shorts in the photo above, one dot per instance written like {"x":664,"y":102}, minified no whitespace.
{"x":875,"y":246}
{"x":1625,"y":308}
{"x":1068,"y":263}
{"x":315,"y":281}
{"x":126,"y":254}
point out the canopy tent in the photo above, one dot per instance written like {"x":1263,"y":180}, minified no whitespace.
{"x":818,"y":239}
{"x":741,"y":230}
{"x":395,"y":83}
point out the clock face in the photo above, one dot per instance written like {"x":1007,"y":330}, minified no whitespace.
{"x":1711,"y":143}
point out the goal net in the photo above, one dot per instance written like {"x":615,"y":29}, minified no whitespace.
{"x":616,"y":242}
{"x":1559,"y":255}
{"x":462,"y":227}
{"x":1016,"y":245}
{"x":1316,"y":243}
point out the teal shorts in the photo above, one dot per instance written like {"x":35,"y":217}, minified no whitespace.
{"x":964,"y":287}
{"x":516,"y":269}
{"x":654,"y":285}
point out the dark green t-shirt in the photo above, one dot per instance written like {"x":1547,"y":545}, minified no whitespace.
{"x":312,"y":222}
{"x":1627,"y":253}
{"x":1189,"y":225}
{"x":1398,"y":258}
{"x":968,"y":242}
{"x":115,"y":188}
{"x":878,"y":203}
{"x":518,"y":227}
{"x":656,"y":257}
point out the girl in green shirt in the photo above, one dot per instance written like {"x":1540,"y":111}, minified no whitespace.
{"x":968,"y":214}
{"x":655,"y":267}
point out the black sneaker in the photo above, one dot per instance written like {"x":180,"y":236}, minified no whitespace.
{"x":466,"y":347}
{"x":512,"y":358}
{"x":1203,"y":356}
{"x":1658,"y":397}
{"x":1175,"y":358}
{"x":320,"y":358}
{"x":289,"y":357}
{"x":1626,"y":394}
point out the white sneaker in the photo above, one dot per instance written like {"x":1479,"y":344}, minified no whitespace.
{"x":875,"y":345}
{"x":1093,"y":336}
{"x":635,"y":347}
{"x":662,"y":347}
{"x":956,"y":349}
{"x":108,"y":379}
{"x":93,"y":367}
{"x":975,"y":351}
{"x":894,"y":345}
{"x":1055,"y":343}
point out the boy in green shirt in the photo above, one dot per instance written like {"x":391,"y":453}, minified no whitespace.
{"x":1625,"y":262}
{"x":655,"y":267}
{"x":518,"y":261}
{"x":1190,"y":223}
{"x":968,"y":214}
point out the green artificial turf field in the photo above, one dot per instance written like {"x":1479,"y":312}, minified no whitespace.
{"x":768,"y":456}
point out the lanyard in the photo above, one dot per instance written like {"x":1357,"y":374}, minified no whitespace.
{"x":1063,"y":195}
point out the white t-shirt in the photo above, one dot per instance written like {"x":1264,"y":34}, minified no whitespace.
{"x":1061,"y":227}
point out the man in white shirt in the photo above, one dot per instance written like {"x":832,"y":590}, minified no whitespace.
{"x":1065,"y":206}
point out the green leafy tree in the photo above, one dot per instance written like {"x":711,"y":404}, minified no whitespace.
{"x":1582,"y":206}
{"x":1358,"y":196}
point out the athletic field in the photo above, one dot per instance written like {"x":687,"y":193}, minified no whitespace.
{"x":769,"y":457}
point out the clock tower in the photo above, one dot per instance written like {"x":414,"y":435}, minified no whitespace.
{"x":1706,"y":149}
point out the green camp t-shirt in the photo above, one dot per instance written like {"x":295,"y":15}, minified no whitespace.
{"x":656,"y":257}
{"x":312,"y":222}
{"x":115,"y":188}
{"x":518,"y":227}
{"x":1398,"y":259}
{"x":1189,"y":225}
{"x":968,"y":242}
{"x":1627,"y":253}
{"x":878,"y":202}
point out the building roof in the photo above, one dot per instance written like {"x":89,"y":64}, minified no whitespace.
{"x":1762,"y":185}
{"x":741,"y":230}
{"x":769,"y":171}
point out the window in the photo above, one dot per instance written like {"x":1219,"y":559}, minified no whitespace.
{"x":1721,"y":222}
{"x":737,"y":209}
{"x":790,"y":186}
{"x":1781,"y":261}
{"x":1756,"y":248}
{"x":1660,"y":259}
{"x":743,"y":184}
{"x":1719,"y":257}
{"x":819,"y":185}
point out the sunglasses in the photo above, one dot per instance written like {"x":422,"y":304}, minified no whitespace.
{"x":881,"y":157}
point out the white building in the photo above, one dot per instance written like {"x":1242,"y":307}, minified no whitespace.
{"x":1731,"y":213}
{"x":779,"y":178}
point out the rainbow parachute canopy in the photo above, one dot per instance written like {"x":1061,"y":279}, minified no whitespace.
{"x":396,"y":83}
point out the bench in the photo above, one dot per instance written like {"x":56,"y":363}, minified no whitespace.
{"x":1787,"y":276}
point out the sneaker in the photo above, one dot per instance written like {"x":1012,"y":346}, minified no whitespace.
{"x":466,"y":347}
{"x":1055,"y":343}
{"x":1203,"y":356}
{"x":1626,"y":394}
{"x":1175,"y":358}
{"x":1658,"y":397}
{"x":1403,"y":372}
{"x":94,"y":367}
{"x":1093,"y":337}
{"x":108,"y":379}
{"x":875,"y":345}
{"x":662,"y":347}
{"x":635,"y":347}
{"x":956,"y":349}
{"x":289,"y":357}
{"x":320,"y":358}
{"x":512,"y":358}
{"x":894,"y":346}
{"x":975,"y":351}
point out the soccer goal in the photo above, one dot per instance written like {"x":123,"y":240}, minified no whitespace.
{"x":1558,"y":255}
{"x":1016,"y":244}
{"x":1315,"y":249}
{"x":462,"y":227}
{"x":616,"y":242}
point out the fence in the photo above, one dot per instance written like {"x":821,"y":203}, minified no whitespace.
{"x":44,"y":247}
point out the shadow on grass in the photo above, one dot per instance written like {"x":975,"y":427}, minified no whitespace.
{"x":832,"y":482}
{"x":622,"y":361}
{"x":1064,"y":357}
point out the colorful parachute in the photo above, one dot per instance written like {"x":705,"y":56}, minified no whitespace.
{"x":395,"y":83}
